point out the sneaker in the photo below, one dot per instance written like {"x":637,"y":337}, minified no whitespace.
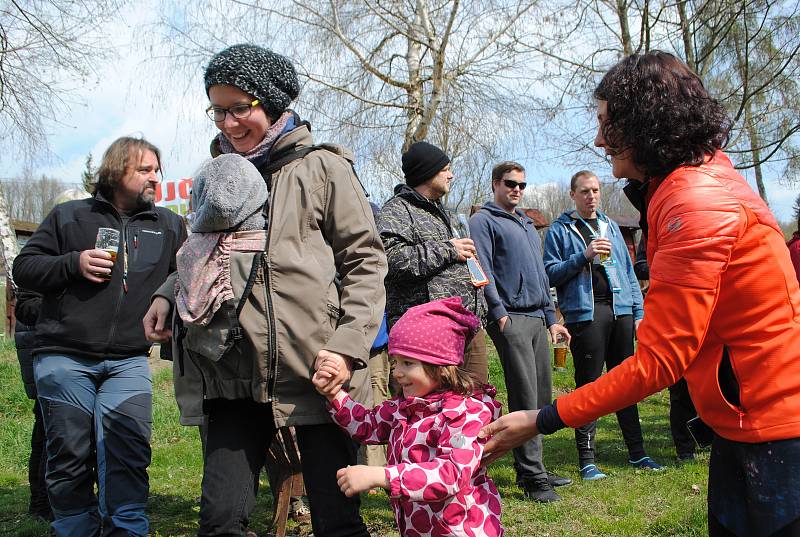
{"x":646,"y":463}
{"x":685,"y":457}
{"x":540,"y":491}
{"x":590,"y":472}
{"x":556,"y":480}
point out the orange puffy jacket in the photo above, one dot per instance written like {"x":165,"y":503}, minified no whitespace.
{"x":721,"y":282}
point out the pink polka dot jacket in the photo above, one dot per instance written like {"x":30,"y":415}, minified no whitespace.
{"x":437,"y":485}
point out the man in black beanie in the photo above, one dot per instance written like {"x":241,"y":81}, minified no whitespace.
{"x":426,"y":261}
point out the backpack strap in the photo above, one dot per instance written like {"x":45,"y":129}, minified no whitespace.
{"x":235,"y":333}
{"x":281,"y":159}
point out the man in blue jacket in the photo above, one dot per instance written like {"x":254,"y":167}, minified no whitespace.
{"x":90,"y":365}
{"x":521,"y":314}
{"x":588,"y":263}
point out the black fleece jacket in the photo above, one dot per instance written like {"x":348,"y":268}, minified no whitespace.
{"x":97,"y":320}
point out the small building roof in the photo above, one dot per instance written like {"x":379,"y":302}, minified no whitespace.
{"x":631,"y":222}
{"x":21,"y":227}
{"x":536,"y":215}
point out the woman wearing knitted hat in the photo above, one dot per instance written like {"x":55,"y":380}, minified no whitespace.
{"x":434,"y":475}
{"x":319,"y":226}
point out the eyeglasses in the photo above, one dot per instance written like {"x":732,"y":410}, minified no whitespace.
{"x":513,"y":184}
{"x":239,"y":111}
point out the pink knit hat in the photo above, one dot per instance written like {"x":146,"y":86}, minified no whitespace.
{"x":435,"y":333}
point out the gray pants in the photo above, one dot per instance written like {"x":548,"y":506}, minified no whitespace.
{"x":525,"y":355}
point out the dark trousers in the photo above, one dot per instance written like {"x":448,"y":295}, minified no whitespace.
{"x":604,"y":340}
{"x":754,"y":489}
{"x":37,"y":466}
{"x":525,"y":355}
{"x":476,"y":357}
{"x":681,"y":410}
{"x":105,"y":405}
{"x":239,"y":434}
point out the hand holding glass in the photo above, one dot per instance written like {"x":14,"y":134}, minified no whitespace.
{"x":108,"y":241}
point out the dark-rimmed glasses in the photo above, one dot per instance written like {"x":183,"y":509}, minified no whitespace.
{"x":513,"y":184}
{"x":239,"y":111}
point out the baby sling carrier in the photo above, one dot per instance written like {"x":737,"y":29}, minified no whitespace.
{"x":232,"y":333}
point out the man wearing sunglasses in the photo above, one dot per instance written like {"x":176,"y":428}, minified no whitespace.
{"x":521,"y":314}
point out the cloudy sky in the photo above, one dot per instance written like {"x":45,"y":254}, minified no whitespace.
{"x":130,"y":96}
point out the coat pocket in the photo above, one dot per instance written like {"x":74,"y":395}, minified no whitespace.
{"x":144,"y":247}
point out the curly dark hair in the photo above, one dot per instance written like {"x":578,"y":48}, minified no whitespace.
{"x":659,"y":109}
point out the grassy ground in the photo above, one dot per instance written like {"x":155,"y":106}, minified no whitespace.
{"x":628,"y":503}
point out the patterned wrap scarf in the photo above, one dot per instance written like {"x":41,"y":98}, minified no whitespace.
{"x":260,"y":153}
{"x":204,"y":271}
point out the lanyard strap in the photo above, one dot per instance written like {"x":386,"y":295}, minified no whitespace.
{"x":595,"y":232}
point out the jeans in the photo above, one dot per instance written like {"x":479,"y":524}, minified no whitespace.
{"x":239,"y":433}
{"x":525,"y":355}
{"x":604,"y":341}
{"x":105,"y":405}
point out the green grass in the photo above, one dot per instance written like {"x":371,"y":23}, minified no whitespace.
{"x":629,"y":503}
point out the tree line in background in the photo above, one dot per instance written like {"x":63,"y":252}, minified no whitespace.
{"x":29,"y":198}
{"x":486,"y":81}
{"x":504,"y":79}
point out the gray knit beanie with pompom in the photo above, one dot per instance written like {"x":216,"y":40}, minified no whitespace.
{"x":266,"y":75}
{"x":228,"y":194}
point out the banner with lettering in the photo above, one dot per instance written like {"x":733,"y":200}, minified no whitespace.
{"x":175,"y":195}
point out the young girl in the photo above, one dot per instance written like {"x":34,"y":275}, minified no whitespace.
{"x":434,"y":475}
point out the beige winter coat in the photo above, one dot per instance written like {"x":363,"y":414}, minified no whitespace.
{"x":320,"y":225}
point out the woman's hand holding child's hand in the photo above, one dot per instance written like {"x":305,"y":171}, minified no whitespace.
{"x":324,"y":379}
{"x":357,"y":479}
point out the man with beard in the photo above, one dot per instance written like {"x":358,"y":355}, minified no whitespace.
{"x":90,"y":363}
{"x":427,"y":260}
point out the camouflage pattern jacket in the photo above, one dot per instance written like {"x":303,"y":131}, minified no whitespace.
{"x":423,"y":263}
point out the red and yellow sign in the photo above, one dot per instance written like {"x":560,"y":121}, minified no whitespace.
{"x":175,"y":195}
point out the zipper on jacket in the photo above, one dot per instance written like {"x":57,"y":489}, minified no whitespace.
{"x":123,"y":291}
{"x":272,"y":362}
{"x":124,"y":259}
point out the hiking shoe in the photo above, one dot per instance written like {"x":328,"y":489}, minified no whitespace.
{"x":556,"y":480}
{"x":646,"y":463}
{"x":685,"y":457}
{"x":590,"y":472}
{"x":540,"y":491}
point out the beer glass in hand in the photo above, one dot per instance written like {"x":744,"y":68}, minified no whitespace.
{"x":108,"y":241}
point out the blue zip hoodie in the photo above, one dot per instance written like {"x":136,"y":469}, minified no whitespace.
{"x":568,"y":270}
{"x":510,"y":252}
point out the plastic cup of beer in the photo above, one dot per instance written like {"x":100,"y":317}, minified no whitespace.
{"x":560,"y":358}
{"x":107,"y":240}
